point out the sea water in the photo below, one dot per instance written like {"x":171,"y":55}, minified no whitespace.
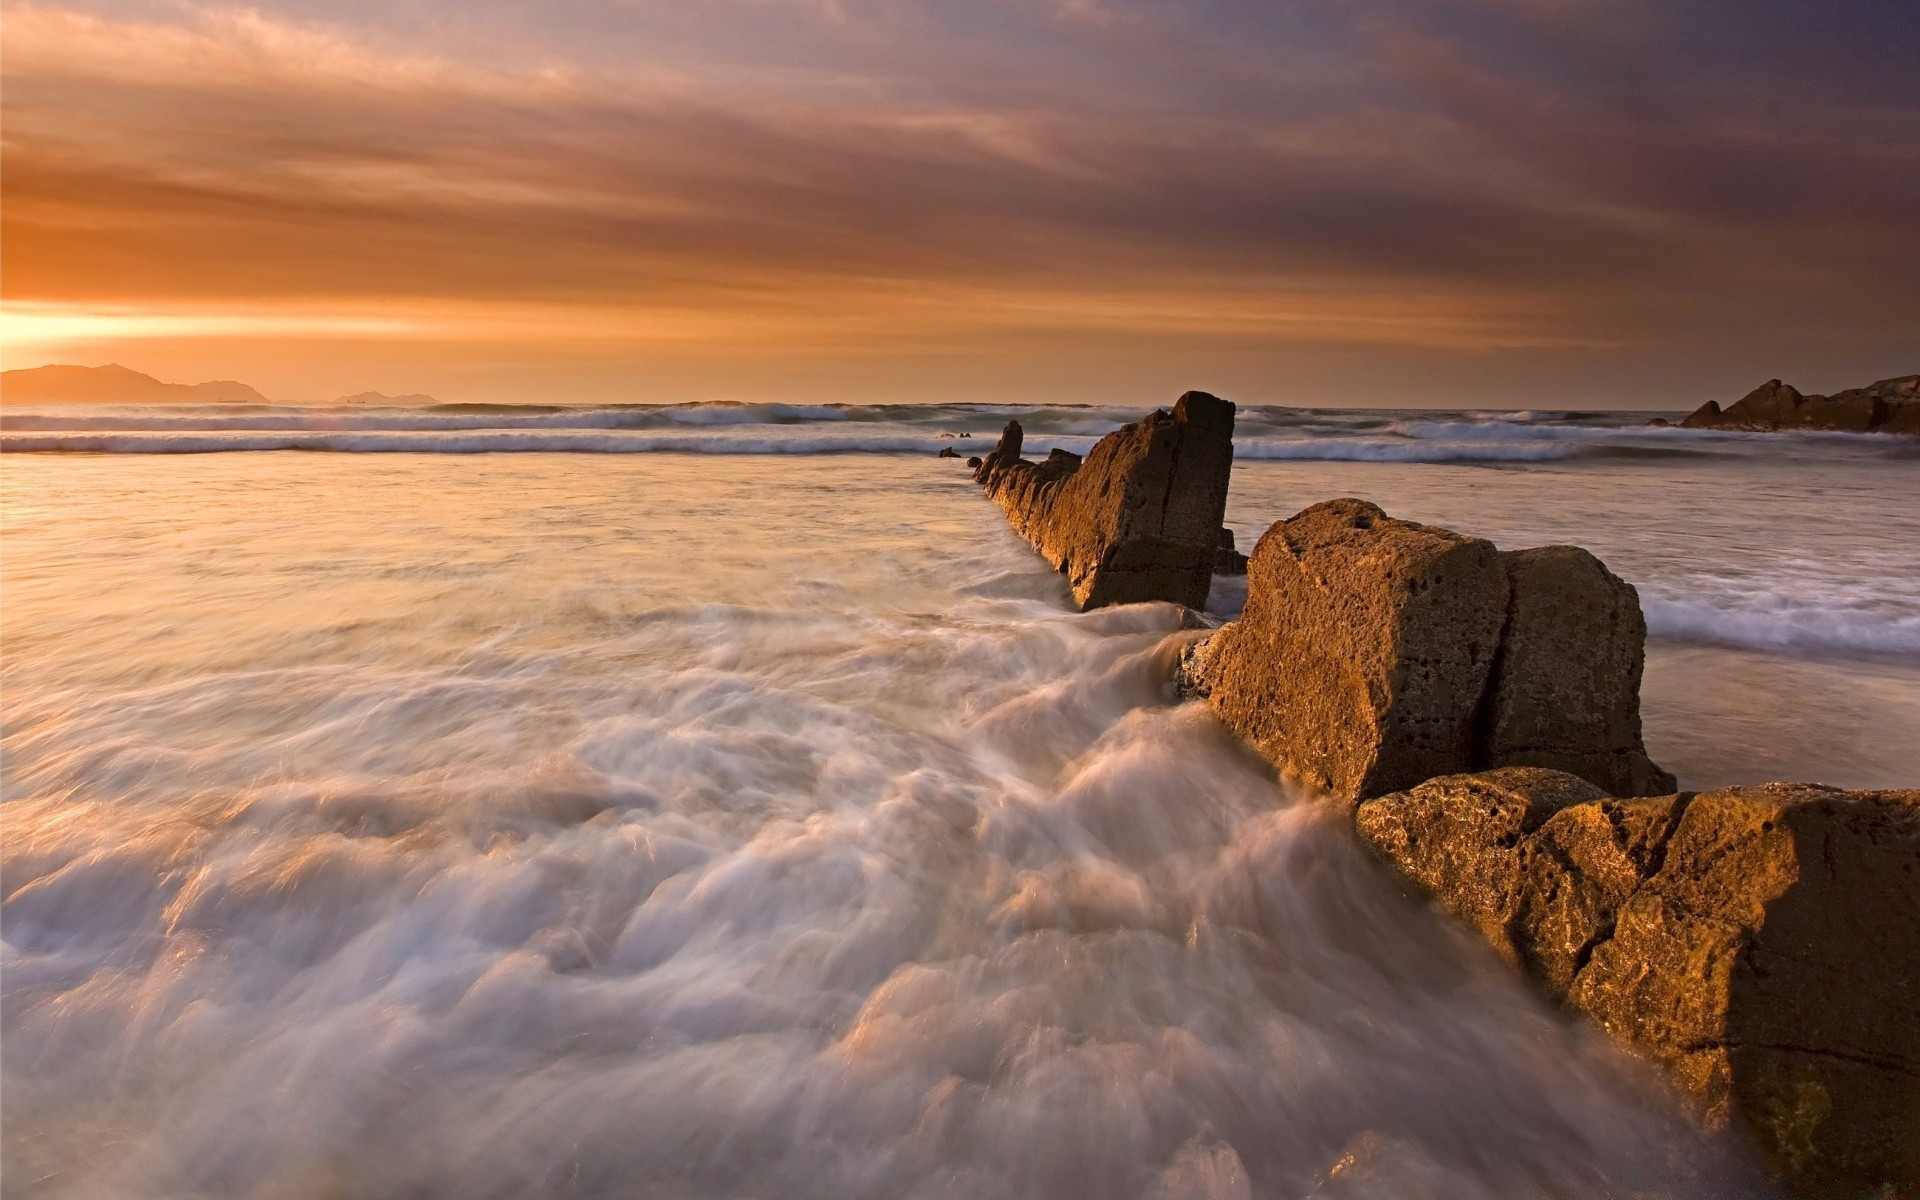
{"x":711,"y":823}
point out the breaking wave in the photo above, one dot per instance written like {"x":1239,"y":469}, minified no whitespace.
{"x":1784,"y":624}
{"x":477,"y":441}
{"x":1265,"y":433}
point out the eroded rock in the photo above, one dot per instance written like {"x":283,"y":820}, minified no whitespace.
{"x":1227,"y":559}
{"x":1365,"y":645}
{"x":1885,"y":406}
{"x":1762,"y":943}
{"x":1375,"y":653}
{"x":1139,"y":518}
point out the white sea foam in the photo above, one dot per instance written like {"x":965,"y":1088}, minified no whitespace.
{"x":1783,"y":622}
{"x":1265,"y":434}
{"x":649,"y":831}
{"x":756,"y":441}
{"x":1400,"y":450}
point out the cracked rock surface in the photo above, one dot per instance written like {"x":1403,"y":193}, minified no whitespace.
{"x":1375,"y":653}
{"x":1762,"y":943}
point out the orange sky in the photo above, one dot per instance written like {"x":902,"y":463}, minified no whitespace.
{"x":1496,"y":201}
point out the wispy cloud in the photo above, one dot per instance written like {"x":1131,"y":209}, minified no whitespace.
{"x":1385,"y":181}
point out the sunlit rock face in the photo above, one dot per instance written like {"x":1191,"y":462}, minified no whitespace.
{"x":1375,"y":653}
{"x":1366,"y":643}
{"x":1759,"y":942}
{"x":1139,"y":517}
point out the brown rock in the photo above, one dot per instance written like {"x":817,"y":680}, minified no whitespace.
{"x":948,"y":452}
{"x":1373,"y":654}
{"x":1884,"y":406}
{"x":1227,"y":559}
{"x":1763,"y":943}
{"x":1566,"y":683}
{"x":1360,"y":659}
{"x":1704,"y":417}
{"x":1138,"y":519}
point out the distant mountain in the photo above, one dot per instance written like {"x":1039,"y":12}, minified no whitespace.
{"x":381,"y":398}
{"x":115,"y":384}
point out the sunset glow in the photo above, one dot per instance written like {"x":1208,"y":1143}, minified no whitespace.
{"x":786,"y":198}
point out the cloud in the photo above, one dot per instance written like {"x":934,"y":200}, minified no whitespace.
{"x":1385,"y":181}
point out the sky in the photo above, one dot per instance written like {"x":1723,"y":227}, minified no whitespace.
{"x":1499,"y":203}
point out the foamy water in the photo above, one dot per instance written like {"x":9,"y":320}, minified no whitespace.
{"x":1264,"y":433}
{"x":668,"y":825}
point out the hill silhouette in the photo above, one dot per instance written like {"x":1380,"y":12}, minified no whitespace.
{"x":115,"y":384}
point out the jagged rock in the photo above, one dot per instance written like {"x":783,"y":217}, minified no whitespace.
{"x":1365,"y":645}
{"x":948,"y":452}
{"x":1705,"y":417}
{"x":1138,"y":518}
{"x":1762,"y":943}
{"x":1375,"y":653}
{"x":1885,"y":406}
{"x":1566,"y":682}
{"x":1227,"y":559}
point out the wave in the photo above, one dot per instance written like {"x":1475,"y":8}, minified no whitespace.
{"x":474,"y":442}
{"x":791,"y":441}
{"x":471,"y":417}
{"x":1266,"y":433}
{"x":1400,"y":450}
{"x":1784,"y":625}
{"x":1508,"y":427}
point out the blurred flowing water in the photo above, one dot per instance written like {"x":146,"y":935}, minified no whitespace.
{"x":722,"y":826}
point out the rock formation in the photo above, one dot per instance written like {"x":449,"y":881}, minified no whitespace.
{"x":1565,"y":691}
{"x":1139,"y":517}
{"x":1374,"y":654}
{"x":1887,"y":406}
{"x":1227,"y":559}
{"x":1762,"y":943}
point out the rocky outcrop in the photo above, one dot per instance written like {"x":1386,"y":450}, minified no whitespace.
{"x":1887,"y":406}
{"x":1762,"y":943}
{"x":1365,"y":645}
{"x":1138,"y":518}
{"x":1374,"y":654}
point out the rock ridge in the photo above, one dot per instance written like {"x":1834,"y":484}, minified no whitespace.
{"x":1139,"y":517}
{"x":1375,"y":653}
{"x":1884,"y":406}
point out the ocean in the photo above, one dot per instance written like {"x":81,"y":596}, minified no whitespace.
{"x":721,"y":801}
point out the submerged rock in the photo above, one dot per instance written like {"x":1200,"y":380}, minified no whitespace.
{"x":1139,"y":517}
{"x":948,"y":452}
{"x":1375,"y":653}
{"x":1885,"y":406}
{"x":1762,"y":943}
{"x":1227,"y":559}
